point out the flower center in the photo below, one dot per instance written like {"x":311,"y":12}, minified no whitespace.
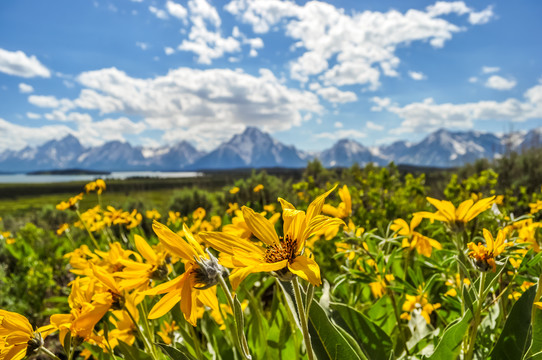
{"x":286,"y":250}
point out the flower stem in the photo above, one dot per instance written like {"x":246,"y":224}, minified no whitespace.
{"x":302,"y":318}
{"x":49,"y":353}
{"x":240,"y":343}
{"x":87,"y":229}
{"x":148,"y":344}
{"x":476,"y":321}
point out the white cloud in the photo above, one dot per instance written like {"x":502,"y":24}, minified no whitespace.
{"x":341,"y":134}
{"x":499,"y":83}
{"x":363,"y":44}
{"x":372,"y":126}
{"x":17,"y":63}
{"x":16,"y":137}
{"x":380,"y":103}
{"x":427,"y":116}
{"x":415,"y":75}
{"x":482,"y":17}
{"x":25,"y":88}
{"x":33,"y":116}
{"x":207,"y":44}
{"x":473,"y":79}
{"x":159,"y":13}
{"x":221,"y":101}
{"x":176,"y":10}
{"x":490,"y":69}
{"x":338,"y":124}
{"x":142,"y":45}
{"x":334,"y":95}
{"x":169,"y":50}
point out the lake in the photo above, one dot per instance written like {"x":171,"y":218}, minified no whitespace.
{"x":38,"y":179}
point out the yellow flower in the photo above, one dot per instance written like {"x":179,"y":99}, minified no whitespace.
{"x":152,"y":214}
{"x":517,"y":294}
{"x":421,"y":303}
{"x":62,"y":228}
{"x":98,"y":185}
{"x":7,"y":236}
{"x":456,"y":218}
{"x":234,"y":190}
{"x":455,"y":284}
{"x":485,"y":254}
{"x":192,"y":287}
{"x":232,"y":207}
{"x":136,"y":274}
{"x":377,"y":287}
{"x":413,"y":239}
{"x":17,"y":338}
{"x":166,"y":332}
{"x":71,"y":204}
{"x":258,"y":188}
{"x":345,"y":207}
{"x":536,"y":207}
{"x":281,"y":255}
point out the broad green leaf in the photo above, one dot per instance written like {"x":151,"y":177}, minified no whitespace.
{"x":450,"y":342}
{"x":174,"y":353}
{"x":327,"y":341}
{"x":513,"y":340}
{"x":375,"y":343}
{"x":132,"y":353}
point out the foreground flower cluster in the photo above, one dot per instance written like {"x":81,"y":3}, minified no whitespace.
{"x":436,"y":282}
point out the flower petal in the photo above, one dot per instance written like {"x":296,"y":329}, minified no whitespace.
{"x":165,"y":304}
{"x":307,"y":269}
{"x":145,"y":250}
{"x":315,"y":207}
{"x":260,"y":226}
{"x":173,"y":242}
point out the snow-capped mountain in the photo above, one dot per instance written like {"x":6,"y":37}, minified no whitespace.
{"x":251,"y":149}
{"x":346,"y":152}
{"x":256,"y":149}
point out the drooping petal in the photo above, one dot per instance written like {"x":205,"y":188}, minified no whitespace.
{"x":173,"y":242}
{"x":145,"y":250}
{"x":306,"y":268}
{"x":260,"y":226}
{"x":166,"y":303}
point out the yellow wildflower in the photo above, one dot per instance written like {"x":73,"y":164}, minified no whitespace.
{"x":345,"y":207}
{"x":420,"y":303}
{"x":152,"y":214}
{"x":413,"y":239}
{"x":536,"y":207}
{"x":234,"y":190}
{"x":62,"y":228}
{"x":166,"y":332}
{"x":485,"y":254}
{"x":281,"y":255}
{"x":71,"y":204}
{"x":258,"y":188}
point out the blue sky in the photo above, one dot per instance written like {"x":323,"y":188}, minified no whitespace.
{"x":155,"y":72}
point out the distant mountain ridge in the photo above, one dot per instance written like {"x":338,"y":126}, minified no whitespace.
{"x":257,"y":149}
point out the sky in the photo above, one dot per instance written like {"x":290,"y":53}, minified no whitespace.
{"x":154,"y":72}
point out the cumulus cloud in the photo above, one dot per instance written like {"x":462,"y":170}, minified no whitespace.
{"x":33,"y":116}
{"x":16,"y":137}
{"x":415,"y":75}
{"x":372,"y":126}
{"x":221,"y":101}
{"x":25,"y":88}
{"x":159,"y":13}
{"x":363,"y":44}
{"x":341,"y":134}
{"x":176,"y":10}
{"x":499,"y":83}
{"x":334,"y":95}
{"x":427,"y":116}
{"x":490,"y":69}
{"x":17,"y":63}
{"x":142,"y":45}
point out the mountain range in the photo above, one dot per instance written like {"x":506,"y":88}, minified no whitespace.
{"x":257,"y":149}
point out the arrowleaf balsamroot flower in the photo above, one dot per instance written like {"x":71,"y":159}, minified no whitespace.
{"x":485,"y":255}
{"x":194,"y":288}
{"x":345,"y":207}
{"x":413,"y":239}
{"x":456,"y":218}
{"x":284,"y":255}
{"x":17,"y":338}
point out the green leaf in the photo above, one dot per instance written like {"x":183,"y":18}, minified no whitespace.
{"x":450,"y":343}
{"x":375,"y":343}
{"x":515,"y":335}
{"x":175,"y":353}
{"x":326,"y":339}
{"x":536,"y":346}
{"x":131,"y":352}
